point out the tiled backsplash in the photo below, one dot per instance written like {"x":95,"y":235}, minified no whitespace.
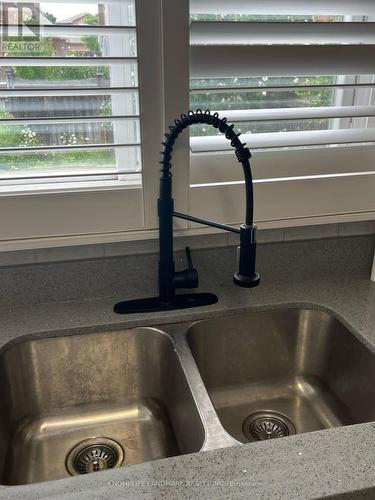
{"x":136,"y":275}
{"x":147,"y":246}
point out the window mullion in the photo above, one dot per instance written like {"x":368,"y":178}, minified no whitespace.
{"x":151,"y":104}
{"x":176,"y":92}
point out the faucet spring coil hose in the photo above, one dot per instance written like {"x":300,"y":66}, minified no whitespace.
{"x":205,"y":117}
{"x":201,"y":117}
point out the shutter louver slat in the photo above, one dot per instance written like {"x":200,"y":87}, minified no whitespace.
{"x":60,"y":119}
{"x":297,"y":113}
{"x":279,"y":88}
{"x":64,"y":61}
{"x":244,"y":61}
{"x":281,"y":33}
{"x":64,"y":91}
{"x":285,"y":139}
{"x":58,"y":30}
{"x":287,"y":7}
{"x":72,"y":147}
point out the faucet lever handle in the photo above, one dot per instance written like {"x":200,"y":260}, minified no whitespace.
{"x":187,"y":278}
{"x":188,"y":258}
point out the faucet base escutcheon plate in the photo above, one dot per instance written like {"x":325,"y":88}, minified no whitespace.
{"x":154,"y":304}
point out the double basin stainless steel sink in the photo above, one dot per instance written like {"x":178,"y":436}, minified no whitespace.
{"x":80,"y":403}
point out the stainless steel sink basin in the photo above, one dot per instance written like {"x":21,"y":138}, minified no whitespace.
{"x":270,"y":374}
{"x":76,"y":404}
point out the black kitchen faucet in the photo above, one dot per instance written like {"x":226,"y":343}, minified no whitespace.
{"x":169,"y":279}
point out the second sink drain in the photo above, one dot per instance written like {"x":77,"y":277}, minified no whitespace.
{"x":93,"y":455}
{"x":263,"y":425}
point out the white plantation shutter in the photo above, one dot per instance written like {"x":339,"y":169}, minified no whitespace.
{"x":69,"y":101}
{"x":309,"y":161}
{"x":72,"y":162}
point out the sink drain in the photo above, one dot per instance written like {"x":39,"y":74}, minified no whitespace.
{"x":93,"y":455}
{"x":264,"y":425}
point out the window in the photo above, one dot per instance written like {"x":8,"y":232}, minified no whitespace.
{"x":88,"y":89}
{"x":72,"y":89}
{"x":296,"y":78}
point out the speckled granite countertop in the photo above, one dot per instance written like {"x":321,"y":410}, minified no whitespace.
{"x":328,"y":275}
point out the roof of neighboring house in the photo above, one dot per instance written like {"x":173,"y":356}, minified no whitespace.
{"x":44,"y":19}
{"x":72,"y":19}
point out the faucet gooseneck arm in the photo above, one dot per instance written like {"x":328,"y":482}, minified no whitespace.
{"x":169,"y":279}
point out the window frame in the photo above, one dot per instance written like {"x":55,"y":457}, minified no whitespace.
{"x":43,"y":212}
